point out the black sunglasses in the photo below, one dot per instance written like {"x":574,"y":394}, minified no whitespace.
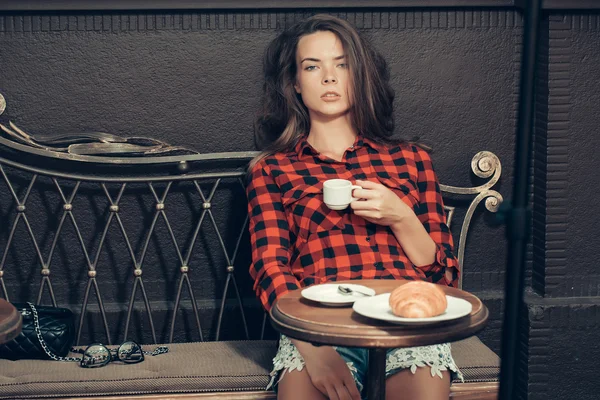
{"x":98,"y":355}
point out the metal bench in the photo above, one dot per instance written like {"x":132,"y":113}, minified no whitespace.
{"x":155,"y":249}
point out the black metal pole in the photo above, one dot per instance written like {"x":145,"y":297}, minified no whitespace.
{"x":376,"y":379}
{"x":518,"y":214}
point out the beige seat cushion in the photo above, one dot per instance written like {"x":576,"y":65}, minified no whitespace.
{"x":188,"y":367}
{"x":476,"y":361}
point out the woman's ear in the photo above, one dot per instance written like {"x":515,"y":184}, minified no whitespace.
{"x":297,"y":87}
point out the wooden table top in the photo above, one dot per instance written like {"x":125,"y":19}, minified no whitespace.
{"x":10,"y":321}
{"x":306,"y":320}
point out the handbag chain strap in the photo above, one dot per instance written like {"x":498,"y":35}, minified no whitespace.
{"x":38,"y":332}
{"x":49,"y":353}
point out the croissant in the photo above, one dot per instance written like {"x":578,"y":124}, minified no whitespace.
{"x":418,"y":299}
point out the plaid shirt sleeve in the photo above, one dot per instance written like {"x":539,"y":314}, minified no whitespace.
{"x":269,"y":238}
{"x":445,"y":269}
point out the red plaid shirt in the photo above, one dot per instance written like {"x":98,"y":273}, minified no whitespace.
{"x":298,"y":241}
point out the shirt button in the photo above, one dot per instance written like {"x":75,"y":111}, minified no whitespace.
{"x":368,"y":239}
{"x":351,"y":148}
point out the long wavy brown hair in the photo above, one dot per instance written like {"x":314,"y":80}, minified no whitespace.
{"x":284,"y":118}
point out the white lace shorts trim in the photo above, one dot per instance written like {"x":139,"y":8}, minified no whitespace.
{"x":437,"y":357}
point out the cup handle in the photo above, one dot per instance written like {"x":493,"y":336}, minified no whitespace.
{"x":354,"y":187}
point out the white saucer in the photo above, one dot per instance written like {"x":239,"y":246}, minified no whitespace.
{"x":378,"y":307}
{"x":329,"y":295}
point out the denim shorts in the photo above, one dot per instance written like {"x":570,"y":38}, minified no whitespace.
{"x":437,"y":358}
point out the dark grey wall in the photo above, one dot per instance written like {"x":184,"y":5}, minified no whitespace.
{"x":193,"y":78}
{"x":583,"y":139}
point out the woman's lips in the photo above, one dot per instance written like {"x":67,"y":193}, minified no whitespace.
{"x":330,"y":96}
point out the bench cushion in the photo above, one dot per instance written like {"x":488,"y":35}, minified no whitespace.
{"x":476,"y":361}
{"x":188,"y":367}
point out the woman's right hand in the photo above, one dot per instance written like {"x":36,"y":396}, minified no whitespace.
{"x":328,"y":371}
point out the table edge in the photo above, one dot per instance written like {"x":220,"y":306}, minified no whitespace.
{"x":380,"y":341}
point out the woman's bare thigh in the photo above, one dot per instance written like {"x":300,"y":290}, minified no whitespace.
{"x":418,"y":386}
{"x":296,"y":385}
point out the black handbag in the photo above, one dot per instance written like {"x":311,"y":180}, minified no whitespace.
{"x":52,"y":327}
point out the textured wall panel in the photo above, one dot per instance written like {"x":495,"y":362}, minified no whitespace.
{"x":563,"y":336}
{"x":553,"y":110}
{"x":587,"y":22}
{"x":54,"y":22}
{"x":538,"y":242}
{"x":582,"y":119}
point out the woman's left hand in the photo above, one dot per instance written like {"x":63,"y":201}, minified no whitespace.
{"x":379,"y":205}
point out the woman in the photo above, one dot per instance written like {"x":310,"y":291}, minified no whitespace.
{"x":328,"y":114}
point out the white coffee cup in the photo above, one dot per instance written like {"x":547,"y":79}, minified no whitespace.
{"x":337,"y":193}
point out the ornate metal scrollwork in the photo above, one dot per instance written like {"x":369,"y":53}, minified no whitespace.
{"x":106,"y":148}
{"x":85,"y":144}
{"x":484,"y":164}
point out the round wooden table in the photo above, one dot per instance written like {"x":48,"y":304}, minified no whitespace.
{"x":302,"y":319}
{"x":10,"y":321}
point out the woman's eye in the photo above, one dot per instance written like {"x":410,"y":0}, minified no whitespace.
{"x":310,"y":68}
{"x":343,"y":65}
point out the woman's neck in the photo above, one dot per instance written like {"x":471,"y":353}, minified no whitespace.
{"x":332,"y":138}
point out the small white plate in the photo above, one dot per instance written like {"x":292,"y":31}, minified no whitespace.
{"x":378,"y":307}
{"x":329,"y":295}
